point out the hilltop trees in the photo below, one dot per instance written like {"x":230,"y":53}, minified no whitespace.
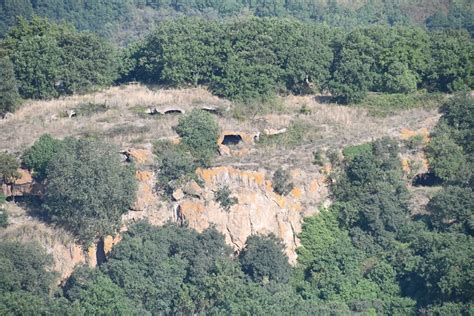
{"x":9,"y":97}
{"x":51,"y":60}
{"x":88,"y":189}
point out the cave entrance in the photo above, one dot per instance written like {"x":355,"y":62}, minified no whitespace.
{"x":173,"y":111}
{"x":232,"y":140}
{"x":428,"y":179}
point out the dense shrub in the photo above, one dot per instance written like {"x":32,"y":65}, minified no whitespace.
{"x":452,"y":210}
{"x":9,"y":97}
{"x":8,"y":167}
{"x":199,"y":132}
{"x":282,"y":182}
{"x":88,"y":189}
{"x":175,"y":168}
{"x":263,"y":259}
{"x":3,"y":217}
{"x":38,"y":156}
{"x":25,"y":267}
{"x":224,"y":198}
{"x":350,"y":152}
{"x":52,"y":60}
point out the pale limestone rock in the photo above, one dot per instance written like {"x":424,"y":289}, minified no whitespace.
{"x":178,"y":194}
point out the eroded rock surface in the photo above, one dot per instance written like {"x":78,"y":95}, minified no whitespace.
{"x":259,"y":210}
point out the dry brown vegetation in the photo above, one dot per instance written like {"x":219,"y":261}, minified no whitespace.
{"x":118,"y":115}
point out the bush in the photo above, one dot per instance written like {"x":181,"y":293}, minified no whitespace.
{"x":8,"y":168}
{"x":318,"y":158}
{"x":282,"y":182}
{"x":350,"y":152}
{"x":176,"y":167}
{"x":38,"y":156}
{"x":451,"y":210}
{"x":415,"y":142}
{"x":263,"y":259}
{"x":25,"y":267}
{"x":199,"y":133}
{"x":224,"y":198}
{"x":9,"y":97}
{"x":3,"y":219}
{"x":447,"y":159}
{"x":88,"y":189}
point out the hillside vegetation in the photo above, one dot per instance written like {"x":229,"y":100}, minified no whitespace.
{"x":147,"y":146}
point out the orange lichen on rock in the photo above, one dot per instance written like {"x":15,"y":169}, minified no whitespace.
{"x":295,"y":207}
{"x":143,"y":176}
{"x":268,"y":186}
{"x":281,"y":201}
{"x":109,"y":242}
{"x":25,"y":177}
{"x":212,"y":175}
{"x":327,"y":168}
{"x":91,"y":256}
{"x":406,"y":165}
{"x":141,"y":156}
{"x":296,"y":192}
{"x":406,"y":133}
{"x":314,"y":186}
{"x":189,"y":207}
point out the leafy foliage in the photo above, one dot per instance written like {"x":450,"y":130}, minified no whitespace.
{"x":38,"y":156}
{"x":9,"y":97}
{"x":25,"y":267}
{"x":282,"y":182}
{"x":224,"y":198}
{"x":263,"y":259}
{"x":54,"y":59}
{"x":88,"y":189}
{"x":199,"y":132}
{"x":450,"y":151}
{"x":8,"y":168}
{"x":453,"y":210}
{"x":175,"y":168}
{"x":3,"y":217}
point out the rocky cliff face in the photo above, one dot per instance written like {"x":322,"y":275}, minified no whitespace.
{"x":259,"y":210}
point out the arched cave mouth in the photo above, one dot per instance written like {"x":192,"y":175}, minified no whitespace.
{"x":232,"y":140}
{"x":428,"y":179}
{"x":174,"y":111}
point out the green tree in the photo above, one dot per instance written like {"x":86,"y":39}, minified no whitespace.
{"x":38,"y":156}
{"x":54,"y":59}
{"x":263,"y":259}
{"x":199,"y":133}
{"x":88,"y":189}
{"x":452,"y":61}
{"x":9,"y":97}
{"x":446,"y":158}
{"x":452,"y":209}
{"x":443,"y":270}
{"x":96,"y":294}
{"x":25,"y":267}
{"x":282,"y":182}
{"x":8,"y":168}
{"x":224,"y":198}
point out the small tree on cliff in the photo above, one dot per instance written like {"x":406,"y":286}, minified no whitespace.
{"x":88,"y":189}
{"x":199,"y":132}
